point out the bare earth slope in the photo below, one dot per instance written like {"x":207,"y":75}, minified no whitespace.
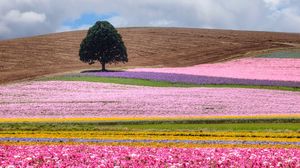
{"x":54,"y":53}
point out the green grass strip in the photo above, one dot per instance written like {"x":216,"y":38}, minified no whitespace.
{"x":219,"y":127}
{"x":96,"y":126}
{"x":283,"y":54}
{"x":152,"y":83}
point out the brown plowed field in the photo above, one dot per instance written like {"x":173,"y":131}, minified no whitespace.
{"x":27,"y":58}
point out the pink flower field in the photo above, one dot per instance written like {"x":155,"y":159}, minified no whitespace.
{"x":280,"y":69}
{"x":120,"y":156}
{"x":86,"y":99}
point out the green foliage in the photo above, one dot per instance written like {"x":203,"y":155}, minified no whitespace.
{"x":161,"y":126}
{"x":103,"y":44}
{"x":283,"y":54}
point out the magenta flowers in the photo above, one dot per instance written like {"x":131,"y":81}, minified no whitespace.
{"x":120,"y":156}
{"x":66,"y":99}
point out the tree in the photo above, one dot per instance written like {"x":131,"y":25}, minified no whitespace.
{"x":103,"y":43}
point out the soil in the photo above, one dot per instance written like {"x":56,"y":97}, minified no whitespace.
{"x":28,"y":58}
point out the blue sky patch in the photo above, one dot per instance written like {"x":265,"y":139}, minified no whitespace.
{"x":88,"y":19}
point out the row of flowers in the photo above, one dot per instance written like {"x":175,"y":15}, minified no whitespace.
{"x":145,"y":141}
{"x":121,"y":156}
{"x":191,"y":79}
{"x":268,"y":72}
{"x":273,"y":69}
{"x":150,"y":143}
{"x":61,"y":99}
{"x":149,"y":118}
{"x":158,"y":135}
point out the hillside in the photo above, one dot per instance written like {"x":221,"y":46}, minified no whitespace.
{"x":27,"y":58}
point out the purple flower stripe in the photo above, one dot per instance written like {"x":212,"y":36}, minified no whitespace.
{"x":282,"y":69}
{"x":192,"y":79}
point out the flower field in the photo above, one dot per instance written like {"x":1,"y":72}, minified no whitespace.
{"x":249,"y":118}
{"x":219,"y":137}
{"x":58,"y":99}
{"x":192,"y":79}
{"x":136,"y":145}
{"x":247,"y":71}
{"x":280,"y":69}
{"x":121,"y":156}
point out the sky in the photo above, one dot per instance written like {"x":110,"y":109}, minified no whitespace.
{"x":23,"y":18}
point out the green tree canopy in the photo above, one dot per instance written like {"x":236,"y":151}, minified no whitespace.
{"x":104,"y":44}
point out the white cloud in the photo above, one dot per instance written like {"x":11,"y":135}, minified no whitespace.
{"x":30,"y":17}
{"x":118,"y":21}
{"x":25,"y":17}
{"x":276,"y":3}
{"x":68,"y":28}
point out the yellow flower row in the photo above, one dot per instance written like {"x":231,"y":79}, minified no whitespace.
{"x":157,"y":135}
{"x":295,"y":116}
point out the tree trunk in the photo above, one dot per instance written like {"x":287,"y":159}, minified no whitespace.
{"x":103,"y":67}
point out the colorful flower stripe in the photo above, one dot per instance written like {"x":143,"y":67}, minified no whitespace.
{"x":78,"y":140}
{"x":153,"y":144}
{"x":149,"y":118}
{"x":191,"y":79}
{"x":156,"y":135}
{"x":120,"y":156}
{"x":61,"y":99}
{"x":278,"y":69}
